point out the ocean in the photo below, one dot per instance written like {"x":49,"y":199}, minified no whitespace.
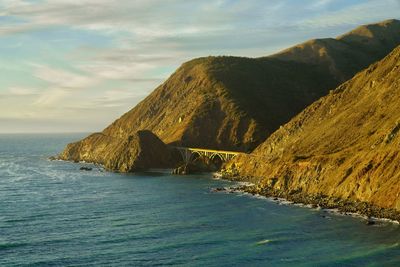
{"x":54,"y":214}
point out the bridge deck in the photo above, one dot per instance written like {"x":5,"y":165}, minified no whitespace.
{"x":211,"y":150}
{"x":224,"y":155}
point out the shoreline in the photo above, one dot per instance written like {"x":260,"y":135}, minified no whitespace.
{"x":364,"y":210}
{"x":335,"y":205}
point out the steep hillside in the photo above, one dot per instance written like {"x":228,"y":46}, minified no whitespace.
{"x":234,"y":103}
{"x":139,"y":151}
{"x":345,"y":145}
{"x":224,"y":102}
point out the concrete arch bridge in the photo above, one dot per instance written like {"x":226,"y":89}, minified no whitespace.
{"x":188,"y":154}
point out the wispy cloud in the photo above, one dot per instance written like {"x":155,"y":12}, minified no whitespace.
{"x":62,"y":78}
{"x":97,"y":55}
{"x":21,"y":91}
{"x":50,"y":98}
{"x":356,"y":14}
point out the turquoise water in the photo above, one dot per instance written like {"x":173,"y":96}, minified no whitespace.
{"x":53,"y":214}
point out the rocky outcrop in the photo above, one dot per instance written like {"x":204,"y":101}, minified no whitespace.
{"x":320,"y":201}
{"x":198,"y":165}
{"x":140,"y":151}
{"x":345,"y":145}
{"x":235,"y":103}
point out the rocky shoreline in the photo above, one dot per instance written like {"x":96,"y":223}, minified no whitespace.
{"x":320,"y":201}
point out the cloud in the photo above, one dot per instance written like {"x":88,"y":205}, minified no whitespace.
{"x":104,"y":56}
{"x":112,"y":70}
{"x":62,"y":78}
{"x":50,"y":98}
{"x":150,"y":19}
{"x":190,"y":28}
{"x":356,"y":14}
{"x":20,"y":92}
{"x":106,"y":15}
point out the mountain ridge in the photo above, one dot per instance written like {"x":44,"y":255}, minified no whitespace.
{"x":377,"y":38}
{"x":344,"y":145}
{"x":235,"y":103}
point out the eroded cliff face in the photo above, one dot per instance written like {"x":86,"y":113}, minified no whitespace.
{"x":346,"y":144}
{"x":235,"y":103}
{"x":140,"y":151}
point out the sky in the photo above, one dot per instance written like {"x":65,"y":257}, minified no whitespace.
{"x":77,"y":65}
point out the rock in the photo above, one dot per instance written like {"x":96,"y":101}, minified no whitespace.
{"x":370,"y":222}
{"x":217,"y":175}
{"x":182,"y":170}
{"x":199,"y":165}
{"x":326,"y":203}
{"x":218,"y":189}
{"x":336,"y":133}
{"x":140,"y":151}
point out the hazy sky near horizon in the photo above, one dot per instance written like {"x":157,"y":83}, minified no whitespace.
{"x":75,"y":66}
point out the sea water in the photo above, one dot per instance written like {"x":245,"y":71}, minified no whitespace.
{"x":54,"y":214}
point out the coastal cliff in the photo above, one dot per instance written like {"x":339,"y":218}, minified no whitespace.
{"x":344,"y":146}
{"x":139,"y":151}
{"x":235,"y":103}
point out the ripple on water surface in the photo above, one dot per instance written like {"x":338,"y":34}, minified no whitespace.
{"x":53,"y":214}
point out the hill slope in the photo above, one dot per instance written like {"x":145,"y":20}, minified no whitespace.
{"x":345,"y":145}
{"x":139,"y":151}
{"x":234,"y":103}
{"x":349,"y":53}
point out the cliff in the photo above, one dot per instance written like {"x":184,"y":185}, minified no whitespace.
{"x":235,"y":103}
{"x":345,"y":145}
{"x":139,"y":151}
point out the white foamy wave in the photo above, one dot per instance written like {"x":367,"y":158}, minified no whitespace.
{"x":14,"y":169}
{"x":282,"y":201}
{"x":263,"y":242}
{"x":245,"y":184}
{"x":217,"y":176}
{"x":257,"y":196}
{"x":385,"y":220}
{"x":302,"y":205}
{"x":360,"y":216}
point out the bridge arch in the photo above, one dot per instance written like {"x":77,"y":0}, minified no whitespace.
{"x":213,"y":156}
{"x":195,"y":155}
{"x":188,"y":153}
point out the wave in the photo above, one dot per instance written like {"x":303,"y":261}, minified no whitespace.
{"x":263,"y":242}
{"x":283,"y":201}
{"x":5,"y":246}
{"x":245,"y":183}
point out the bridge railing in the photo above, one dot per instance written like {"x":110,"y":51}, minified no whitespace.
{"x":210,"y":150}
{"x":224,"y":155}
